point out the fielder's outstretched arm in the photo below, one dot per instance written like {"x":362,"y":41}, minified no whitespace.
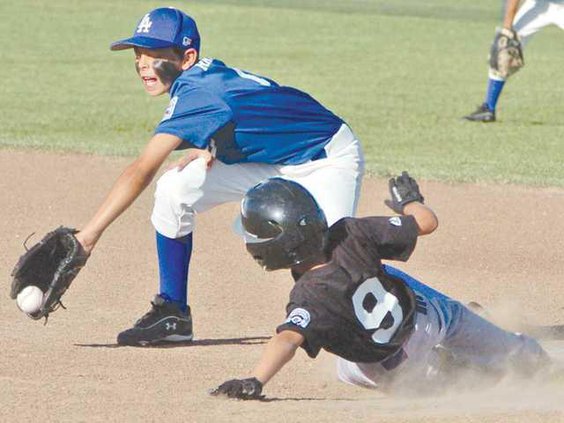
{"x":134,"y":179}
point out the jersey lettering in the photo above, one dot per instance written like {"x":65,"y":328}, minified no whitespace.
{"x":257,"y":79}
{"x":373,"y":305}
{"x":204,"y":63}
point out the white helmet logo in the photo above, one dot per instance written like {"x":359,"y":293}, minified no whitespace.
{"x":145,"y":24}
{"x":186,"y":41}
{"x":396,"y":221}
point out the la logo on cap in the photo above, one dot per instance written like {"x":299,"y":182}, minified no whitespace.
{"x":145,"y":24}
{"x":162,"y":28}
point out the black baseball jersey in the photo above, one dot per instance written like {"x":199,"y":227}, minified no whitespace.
{"x":350,"y":306}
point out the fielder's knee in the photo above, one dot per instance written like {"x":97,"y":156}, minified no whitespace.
{"x":176,"y":193}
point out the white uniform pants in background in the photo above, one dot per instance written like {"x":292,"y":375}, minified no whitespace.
{"x":334,"y":181}
{"x":533,"y":15}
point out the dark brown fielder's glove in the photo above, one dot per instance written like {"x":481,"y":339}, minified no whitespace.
{"x":403,"y":190}
{"x":506,"y":53}
{"x":244,"y":389}
{"x":51,"y":265}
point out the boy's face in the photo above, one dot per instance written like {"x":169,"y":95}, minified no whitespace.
{"x":158,"y":68}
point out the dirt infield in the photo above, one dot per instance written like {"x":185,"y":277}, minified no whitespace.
{"x":500,"y":245}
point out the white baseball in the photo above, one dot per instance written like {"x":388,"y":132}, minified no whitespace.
{"x":29,"y":299}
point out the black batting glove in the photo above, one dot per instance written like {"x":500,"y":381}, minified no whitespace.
{"x":403,"y":190}
{"x":244,"y":389}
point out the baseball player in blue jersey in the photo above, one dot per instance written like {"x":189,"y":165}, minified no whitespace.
{"x":388,"y":330}
{"x":237,"y":128}
{"x":506,"y":57}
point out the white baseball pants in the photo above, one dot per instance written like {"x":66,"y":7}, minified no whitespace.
{"x":333,"y":181}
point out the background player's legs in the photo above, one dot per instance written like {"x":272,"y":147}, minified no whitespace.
{"x":556,"y":13}
{"x":334,"y":181}
{"x":531,"y":17}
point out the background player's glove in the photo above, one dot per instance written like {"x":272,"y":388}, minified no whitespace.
{"x":506,"y":53}
{"x":245,"y":389}
{"x":51,"y":265}
{"x":403,"y":190}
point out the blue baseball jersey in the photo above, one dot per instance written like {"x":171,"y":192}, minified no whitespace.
{"x":245,"y":117}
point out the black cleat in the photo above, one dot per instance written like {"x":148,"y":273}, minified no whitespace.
{"x":165,"y":322}
{"x":482,"y":114}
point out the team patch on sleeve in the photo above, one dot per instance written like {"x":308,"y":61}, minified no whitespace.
{"x":299,"y":317}
{"x":170,"y":109}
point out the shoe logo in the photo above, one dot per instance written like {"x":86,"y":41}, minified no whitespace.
{"x":145,"y":24}
{"x":170,"y":326}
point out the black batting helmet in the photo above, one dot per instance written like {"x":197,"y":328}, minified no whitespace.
{"x":282,"y":224}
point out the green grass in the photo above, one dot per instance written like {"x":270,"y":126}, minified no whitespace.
{"x":401,"y":72}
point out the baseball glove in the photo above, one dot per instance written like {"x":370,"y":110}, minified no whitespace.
{"x":51,"y":265}
{"x":403,"y":190}
{"x":244,"y":389}
{"x":506,"y":53}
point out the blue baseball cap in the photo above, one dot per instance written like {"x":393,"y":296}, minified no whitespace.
{"x":161,"y":28}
